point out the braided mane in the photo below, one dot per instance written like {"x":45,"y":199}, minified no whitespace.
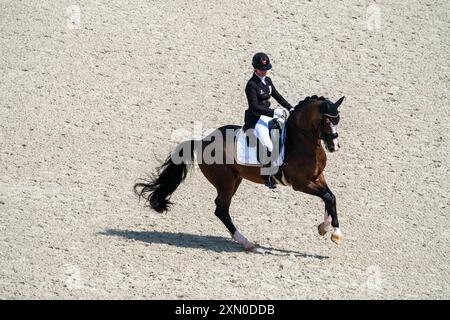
{"x":305,"y":101}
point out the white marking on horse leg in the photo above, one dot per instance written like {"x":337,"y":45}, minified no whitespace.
{"x":325,"y":225}
{"x":336,"y":236}
{"x":327,"y":219}
{"x":239,"y":237}
{"x":337,"y":232}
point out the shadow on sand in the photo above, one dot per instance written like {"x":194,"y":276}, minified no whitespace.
{"x":212,"y":243}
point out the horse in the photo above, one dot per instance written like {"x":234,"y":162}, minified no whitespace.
{"x":312,"y":121}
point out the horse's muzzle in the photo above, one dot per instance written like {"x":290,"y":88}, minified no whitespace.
{"x":332,"y":146}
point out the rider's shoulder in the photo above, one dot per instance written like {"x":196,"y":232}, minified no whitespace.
{"x":253,"y":78}
{"x":251,"y":82}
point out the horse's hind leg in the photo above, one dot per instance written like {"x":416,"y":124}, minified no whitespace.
{"x":225,"y":193}
{"x":226,"y":183}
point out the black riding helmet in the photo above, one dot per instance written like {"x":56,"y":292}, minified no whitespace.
{"x":261,"y":61}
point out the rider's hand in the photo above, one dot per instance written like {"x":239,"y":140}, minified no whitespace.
{"x":280,"y":113}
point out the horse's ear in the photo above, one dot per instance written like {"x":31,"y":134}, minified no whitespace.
{"x":338,"y":103}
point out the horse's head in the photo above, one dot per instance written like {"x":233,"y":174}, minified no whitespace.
{"x":320,"y":118}
{"x":329,"y":120}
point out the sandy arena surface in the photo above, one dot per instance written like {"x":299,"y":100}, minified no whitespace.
{"x":89,"y":106}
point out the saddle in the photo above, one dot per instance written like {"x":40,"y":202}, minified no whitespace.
{"x":248,"y":148}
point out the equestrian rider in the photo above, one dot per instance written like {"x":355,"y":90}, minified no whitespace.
{"x":259,"y":89}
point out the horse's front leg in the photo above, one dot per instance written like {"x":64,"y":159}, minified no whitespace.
{"x":330,"y":212}
{"x":320,"y":189}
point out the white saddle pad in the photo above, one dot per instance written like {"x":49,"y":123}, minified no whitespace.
{"x":247,"y":155}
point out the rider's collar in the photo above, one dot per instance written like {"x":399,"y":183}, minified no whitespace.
{"x":263,"y":79}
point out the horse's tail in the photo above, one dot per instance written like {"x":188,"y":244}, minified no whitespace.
{"x":170,"y":175}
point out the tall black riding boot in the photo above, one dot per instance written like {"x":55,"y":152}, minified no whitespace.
{"x":270,"y":182}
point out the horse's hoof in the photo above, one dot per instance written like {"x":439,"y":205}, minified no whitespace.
{"x":322,"y":229}
{"x":337,"y":237}
{"x":249,"y":247}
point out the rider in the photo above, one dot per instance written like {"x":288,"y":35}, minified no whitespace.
{"x":259,"y":89}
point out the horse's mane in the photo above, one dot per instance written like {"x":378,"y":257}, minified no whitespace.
{"x":307,"y":100}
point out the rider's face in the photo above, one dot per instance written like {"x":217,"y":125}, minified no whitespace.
{"x":261,"y":73}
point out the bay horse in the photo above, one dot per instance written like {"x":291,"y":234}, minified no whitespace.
{"x":313,"y":120}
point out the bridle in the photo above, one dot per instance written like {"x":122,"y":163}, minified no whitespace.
{"x":334,"y":120}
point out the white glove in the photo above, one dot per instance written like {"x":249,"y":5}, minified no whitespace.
{"x":280,"y":113}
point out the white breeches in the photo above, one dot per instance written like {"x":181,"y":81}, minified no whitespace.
{"x":262,"y":132}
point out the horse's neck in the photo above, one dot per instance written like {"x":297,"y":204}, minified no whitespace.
{"x":305,"y":138}
{"x":301,"y":142}
{"x":305,"y":115}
